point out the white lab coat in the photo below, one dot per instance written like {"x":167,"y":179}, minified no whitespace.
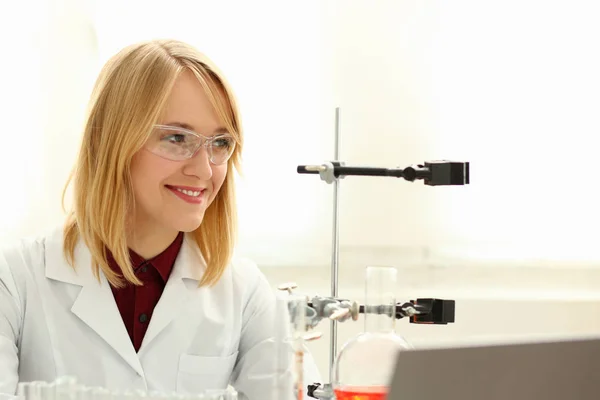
{"x":55,"y":321}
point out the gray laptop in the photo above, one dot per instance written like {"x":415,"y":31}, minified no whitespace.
{"x":553,"y":369}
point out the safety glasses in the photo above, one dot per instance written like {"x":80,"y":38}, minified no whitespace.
{"x":179,"y":144}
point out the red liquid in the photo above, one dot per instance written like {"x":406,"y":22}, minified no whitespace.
{"x":362,"y":393}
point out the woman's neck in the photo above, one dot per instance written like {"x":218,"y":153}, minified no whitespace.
{"x":148,"y":243}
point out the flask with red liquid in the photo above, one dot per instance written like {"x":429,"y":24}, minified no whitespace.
{"x":364,"y":367}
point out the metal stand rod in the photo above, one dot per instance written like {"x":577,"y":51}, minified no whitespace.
{"x":335,"y":256}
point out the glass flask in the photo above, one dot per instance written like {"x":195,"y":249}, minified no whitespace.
{"x":364,"y":367}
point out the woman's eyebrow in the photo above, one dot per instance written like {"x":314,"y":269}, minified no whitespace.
{"x":191,"y":128}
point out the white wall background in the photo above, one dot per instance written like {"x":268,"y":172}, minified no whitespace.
{"x":510,"y":86}
{"x":46,"y":75}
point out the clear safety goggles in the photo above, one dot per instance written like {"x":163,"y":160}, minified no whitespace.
{"x":179,"y":144}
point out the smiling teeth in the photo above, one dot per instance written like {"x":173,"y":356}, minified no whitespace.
{"x":189,"y":192}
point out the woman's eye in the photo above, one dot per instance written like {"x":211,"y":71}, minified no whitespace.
{"x":222,"y":143}
{"x":174,"y":138}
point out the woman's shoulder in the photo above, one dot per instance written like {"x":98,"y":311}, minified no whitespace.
{"x":247,"y":275}
{"x":29,"y":253}
{"x":245,"y":269}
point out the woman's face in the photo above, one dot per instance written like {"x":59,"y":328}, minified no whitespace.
{"x":172,"y":196}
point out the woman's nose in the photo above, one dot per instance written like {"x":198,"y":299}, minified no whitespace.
{"x":199,"y":165}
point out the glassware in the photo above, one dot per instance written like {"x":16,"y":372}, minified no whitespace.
{"x":66,"y":388}
{"x":32,"y":390}
{"x":363,"y":369}
{"x":282,"y":380}
{"x":285,"y":380}
{"x":298,"y":309}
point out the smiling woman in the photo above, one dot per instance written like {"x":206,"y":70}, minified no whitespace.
{"x":153,"y":84}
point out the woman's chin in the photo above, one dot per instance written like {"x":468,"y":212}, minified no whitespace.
{"x":187,"y":224}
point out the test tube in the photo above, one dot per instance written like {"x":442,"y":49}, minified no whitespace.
{"x":23,"y":390}
{"x":64,"y":388}
{"x":298,"y":306}
{"x":100,"y":393}
{"x":35,"y":389}
{"x":48,"y":391}
{"x":288,"y":308}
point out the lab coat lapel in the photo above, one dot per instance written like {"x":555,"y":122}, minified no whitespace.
{"x":95,"y":305}
{"x":183,"y":281}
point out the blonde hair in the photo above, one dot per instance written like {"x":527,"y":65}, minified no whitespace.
{"x":128,"y":97}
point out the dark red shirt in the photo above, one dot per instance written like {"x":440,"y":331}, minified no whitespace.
{"x":136,"y":303}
